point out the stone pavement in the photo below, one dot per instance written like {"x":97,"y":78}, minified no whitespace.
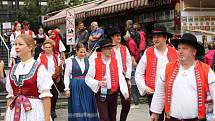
{"x":140,"y":114}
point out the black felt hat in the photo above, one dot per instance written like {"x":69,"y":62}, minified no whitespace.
{"x":113,"y":30}
{"x":104,"y":43}
{"x":190,"y":39}
{"x":160,"y":30}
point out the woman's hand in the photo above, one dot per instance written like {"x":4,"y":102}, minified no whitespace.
{"x":67,"y":93}
{"x":1,"y":69}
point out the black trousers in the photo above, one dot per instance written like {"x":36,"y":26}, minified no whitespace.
{"x":175,"y":119}
{"x":126,"y":104}
{"x":53,"y":101}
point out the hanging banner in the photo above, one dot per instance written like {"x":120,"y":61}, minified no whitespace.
{"x":70,"y":27}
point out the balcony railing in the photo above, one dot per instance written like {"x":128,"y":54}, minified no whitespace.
{"x":3,"y":47}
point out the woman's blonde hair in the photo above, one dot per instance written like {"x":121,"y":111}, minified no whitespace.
{"x":49,"y":41}
{"x":28,"y":40}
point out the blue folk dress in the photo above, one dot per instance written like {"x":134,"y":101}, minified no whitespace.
{"x":82,"y":104}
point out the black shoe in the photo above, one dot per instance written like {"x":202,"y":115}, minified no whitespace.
{"x":55,"y":115}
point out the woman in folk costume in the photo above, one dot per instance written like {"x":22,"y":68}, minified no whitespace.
{"x":152,"y":62}
{"x":16,"y":32}
{"x":59,"y":47}
{"x":105,"y":78}
{"x":40,"y":38}
{"x":82,"y":105}
{"x":185,"y":84}
{"x":28,"y":85}
{"x":13,"y":36}
{"x":49,"y":59}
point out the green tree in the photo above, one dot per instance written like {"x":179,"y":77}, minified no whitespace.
{"x":75,"y":2}
{"x":31,"y":12}
{"x":55,"y":5}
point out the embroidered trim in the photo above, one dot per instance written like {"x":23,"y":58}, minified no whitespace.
{"x":152,"y":77}
{"x":123,"y":56}
{"x":79,"y":115}
{"x":22,"y":78}
{"x":170,"y":84}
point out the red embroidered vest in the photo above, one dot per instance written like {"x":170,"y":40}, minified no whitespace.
{"x":26,"y":84}
{"x":44,"y":60}
{"x":152,"y":64}
{"x":201,"y":74}
{"x":30,"y":32}
{"x":101,"y":70}
{"x":123,"y":56}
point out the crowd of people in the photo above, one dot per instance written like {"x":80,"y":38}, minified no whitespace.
{"x":178,"y":86}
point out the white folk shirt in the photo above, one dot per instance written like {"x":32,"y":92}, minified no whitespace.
{"x":42,"y":36}
{"x":184,"y":102}
{"x":13,"y":37}
{"x":68,"y":70}
{"x":61,"y":47}
{"x":93,"y":83}
{"x":44,"y":80}
{"x":118,"y":56}
{"x":33,"y":35}
{"x":162,"y":60}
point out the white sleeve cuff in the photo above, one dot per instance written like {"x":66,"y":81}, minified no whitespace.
{"x":45,"y":93}
{"x":10,"y":95}
{"x":155,"y":111}
{"x":66,"y":89}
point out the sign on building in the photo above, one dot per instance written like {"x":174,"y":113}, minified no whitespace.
{"x":6,"y":25}
{"x":70,"y":27}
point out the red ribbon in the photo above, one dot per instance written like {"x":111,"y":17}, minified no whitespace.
{"x":17,"y":102}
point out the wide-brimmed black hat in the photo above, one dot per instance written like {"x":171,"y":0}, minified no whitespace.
{"x":104,"y":43}
{"x":160,"y":30}
{"x":190,"y":39}
{"x":113,"y":30}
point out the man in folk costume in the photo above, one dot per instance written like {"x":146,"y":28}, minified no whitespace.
{"x":105,"y":78}
{"x":124,"y":62}
{"x":40,"y":38}
{"x":26,"y":29}
{"x":49,"y":59}
{"x":152,"y":62}
{"x":184,"y":84}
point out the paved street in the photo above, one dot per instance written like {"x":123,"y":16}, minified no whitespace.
{"x":140,"y":114}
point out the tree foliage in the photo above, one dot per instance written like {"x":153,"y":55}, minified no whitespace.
{"x":75,"y":2}
{"x":55,"y":5}
{"x":31,"y":12}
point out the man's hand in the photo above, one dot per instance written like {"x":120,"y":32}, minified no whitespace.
{"x":149,"y":90}
{"x":126,"y":95}
{"x":129,"y":83}
{"x":154,"y":117}
{"x":102,"y":83}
